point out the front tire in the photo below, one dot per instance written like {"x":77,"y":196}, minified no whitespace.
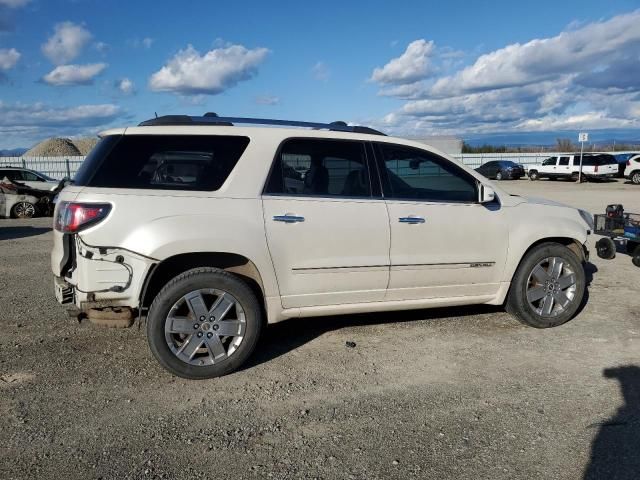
{"x":23,"y":210}
{"x":548,"y":286}
{"x":499,"y":176}
{"x":204,"y":323}
{"x":533,"y":175}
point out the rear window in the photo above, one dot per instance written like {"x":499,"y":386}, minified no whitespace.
{"x":173,"y":162}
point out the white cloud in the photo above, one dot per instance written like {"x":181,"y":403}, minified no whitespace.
{"x":8,"y":58}
{"x":74,"y":74}
{"x":321,"y":72}
{"x":40,"y":114}
{"x":101,"y":47}
{"x":13,"y":3}
{"x":126,"y":86}
{"x":541,"y":59}
{"x":267,"y":100}
{"x":23,"y":124}
{"x":66,"y":43}
{"x":147,"y":42}
{"x":584,"y":77}
{"x":189,"y":72}
{"x":411,"y":66}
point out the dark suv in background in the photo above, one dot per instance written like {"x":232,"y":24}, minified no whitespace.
{"x":502,"y":170}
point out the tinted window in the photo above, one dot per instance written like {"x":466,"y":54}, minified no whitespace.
{"x":563,"y":161}
{"x":321,"y":168}
{"x":549,"y":161}
{"x":414,"y":174}
{"x":30,"y":176}
{"x":175,"y":162}
{"x":508,"y":163}
{"x":10,"y":174}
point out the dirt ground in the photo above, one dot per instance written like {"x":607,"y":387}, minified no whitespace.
{"x":462,"y":393}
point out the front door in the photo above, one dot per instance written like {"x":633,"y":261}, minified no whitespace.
{"x":327,"y":227}
{"x":444,"y":243}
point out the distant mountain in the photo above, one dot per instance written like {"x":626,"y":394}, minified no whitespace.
{"x":545,"y":139}
{"x":14,"y":152}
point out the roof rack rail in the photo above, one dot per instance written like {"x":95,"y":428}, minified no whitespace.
{"x":211,"y":118}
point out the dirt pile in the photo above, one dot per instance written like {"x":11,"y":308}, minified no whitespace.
{"x":62,"y":147}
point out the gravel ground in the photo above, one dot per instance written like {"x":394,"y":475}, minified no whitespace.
{"x":461,"y":393}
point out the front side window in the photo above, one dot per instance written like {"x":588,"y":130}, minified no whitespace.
{"x":173,"y":162}
{"x":320,"y":167}
{"x":413,"y":174}
{"x":549,"y":161}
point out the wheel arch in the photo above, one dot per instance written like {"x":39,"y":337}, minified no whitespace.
{"x":172,"y":266}
{"x":571,"y":243}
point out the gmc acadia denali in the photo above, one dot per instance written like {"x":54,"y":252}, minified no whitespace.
{"x":212,"y":227}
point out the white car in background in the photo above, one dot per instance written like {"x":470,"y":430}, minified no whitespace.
{"x":30,"y":178}
{"x":375,"y":223}
{"x":632,"y":172}
{"x":568,"y":167}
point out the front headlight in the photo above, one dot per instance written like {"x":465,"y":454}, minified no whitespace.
{"x":588,"y":218}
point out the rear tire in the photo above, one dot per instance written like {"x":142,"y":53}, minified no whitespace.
{"x":533,"y":175}
{"x":204,"y":323}
{"x":606,"y":248}
{"x":499,"y":175}
{"x":635,"y":178}
{"x":636,"y":256}
{"x":548,"y":286}
{"x":631,"y":247}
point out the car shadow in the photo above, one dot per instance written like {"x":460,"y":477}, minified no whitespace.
{"x":615,"y":451}
{"x":11,"y":233}
{"x":281,"y":338}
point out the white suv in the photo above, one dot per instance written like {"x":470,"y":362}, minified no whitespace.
{"x":632,"y":171}
{"x":210,"y":230}
{"x":568,"y":166}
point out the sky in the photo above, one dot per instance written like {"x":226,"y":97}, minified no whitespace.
{"x":410,"y":68}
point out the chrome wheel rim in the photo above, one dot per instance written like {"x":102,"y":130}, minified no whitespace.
{"x":551,"y":287}
{"x":636,"y":178}
{"x":24,"y":210}
{"x":205,"y":327}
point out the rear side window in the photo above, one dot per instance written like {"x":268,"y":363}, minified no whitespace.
{"x":172,"y":162}
{"x":564,"y":161}
{"x":319,"y":167}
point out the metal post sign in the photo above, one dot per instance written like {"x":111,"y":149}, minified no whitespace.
{"x":582,"y":137}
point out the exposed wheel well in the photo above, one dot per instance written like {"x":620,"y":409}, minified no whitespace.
{"x":571,"y":243}
{"x":173,"y":266}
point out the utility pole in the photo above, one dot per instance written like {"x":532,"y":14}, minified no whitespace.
{"x":582,"y":137}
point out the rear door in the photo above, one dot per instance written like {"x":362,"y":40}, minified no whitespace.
{"x":444,"y":243}
{"x":327,"y":226}
{"x":564,"y":167}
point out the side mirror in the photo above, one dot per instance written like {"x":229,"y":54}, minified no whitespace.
{"x":487,"y":195}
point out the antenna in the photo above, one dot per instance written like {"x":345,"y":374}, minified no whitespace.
{"x":156,"y":114}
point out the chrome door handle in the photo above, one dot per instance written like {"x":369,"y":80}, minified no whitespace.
{"x":411,"y":220}
{"x":288,"y":218}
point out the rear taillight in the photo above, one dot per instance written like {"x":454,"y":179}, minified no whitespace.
{"x":71,"y":217}
{"x":628,"y":163}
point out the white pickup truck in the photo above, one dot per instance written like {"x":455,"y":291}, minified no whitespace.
{"x":599,"y":165}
